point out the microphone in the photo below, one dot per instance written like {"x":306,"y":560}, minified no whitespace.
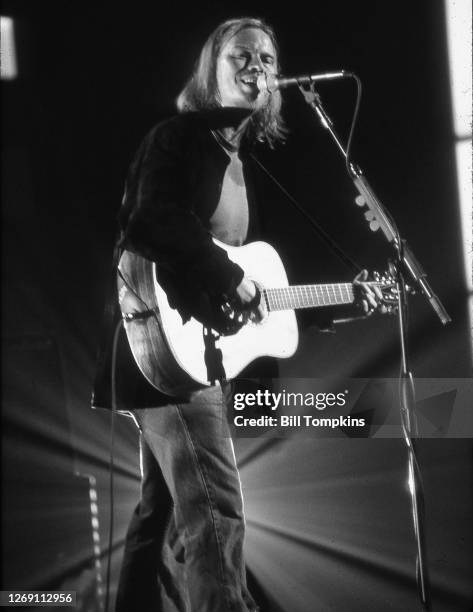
{"x":274,"y":82}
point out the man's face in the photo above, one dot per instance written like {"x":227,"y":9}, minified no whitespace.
{"x":241,"y":67}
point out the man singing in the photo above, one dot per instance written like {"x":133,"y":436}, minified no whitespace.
{"x":191,"y":181}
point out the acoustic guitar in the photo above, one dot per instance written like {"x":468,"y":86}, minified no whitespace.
{"x":173,"y":355}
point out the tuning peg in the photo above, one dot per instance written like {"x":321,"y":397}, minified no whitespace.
{"x":360,"y":200}
{"x":376,"y":276}
{"x":374,"y":226}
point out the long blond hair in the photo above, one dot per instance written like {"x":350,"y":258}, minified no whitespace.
{"x":201,"y":90}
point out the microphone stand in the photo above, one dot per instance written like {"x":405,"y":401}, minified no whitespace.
{"x":379,"y":218}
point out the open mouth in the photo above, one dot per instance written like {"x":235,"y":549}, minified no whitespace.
{"x":252,"y":86}
{"x":250,"y":81}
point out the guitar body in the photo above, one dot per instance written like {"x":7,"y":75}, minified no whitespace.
{"x":170,"y":353}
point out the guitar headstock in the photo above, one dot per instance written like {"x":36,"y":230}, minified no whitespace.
{"x":387,"y":285}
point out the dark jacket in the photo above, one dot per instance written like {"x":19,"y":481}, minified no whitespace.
{"x":172,"y":189}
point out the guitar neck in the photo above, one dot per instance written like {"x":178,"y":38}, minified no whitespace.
{"x":308,"y":296}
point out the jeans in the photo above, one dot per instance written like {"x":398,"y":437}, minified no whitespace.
{"x":184,"y":545}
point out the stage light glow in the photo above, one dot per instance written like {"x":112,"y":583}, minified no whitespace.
{"x":410,"y":483}
{"x":458,"y":15}
{"x":328,"y":522}
{"x":303,"y":536}
{"x":463,"y":158}
{"x":459,"y":36}
{"x":8,"y":63}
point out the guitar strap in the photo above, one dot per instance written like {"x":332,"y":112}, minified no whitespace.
{"x":318,"y":229}
{"x":213,"y":357}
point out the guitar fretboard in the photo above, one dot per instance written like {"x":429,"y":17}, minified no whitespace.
{"x":308,"y":296}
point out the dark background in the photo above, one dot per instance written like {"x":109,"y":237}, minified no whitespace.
{"x":328,"y":520}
